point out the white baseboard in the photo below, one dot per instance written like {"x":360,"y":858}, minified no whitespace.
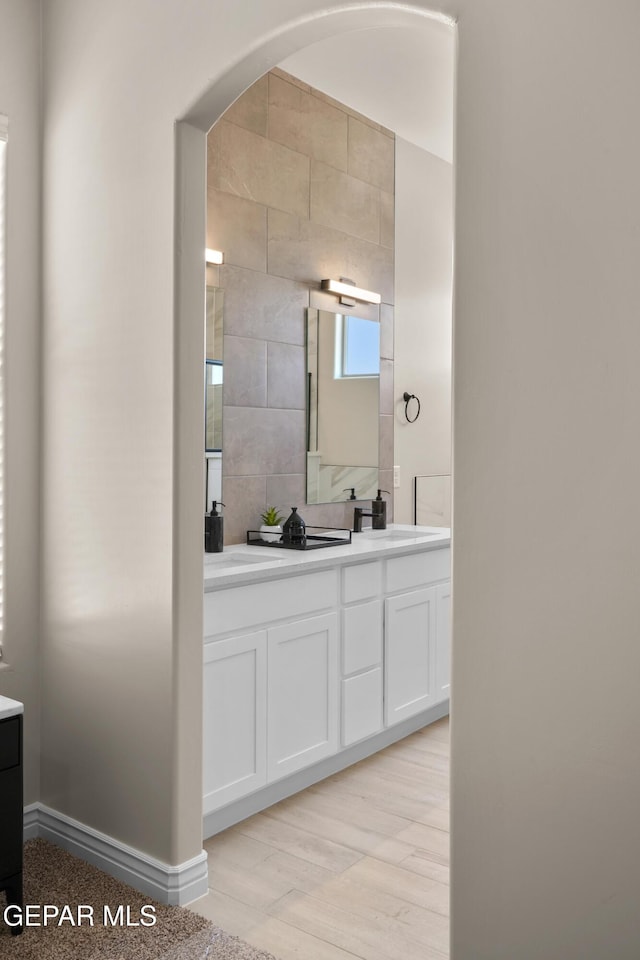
{"x":176,"y":885}
{"x":217,"y":820}
{"x":31,"y":821}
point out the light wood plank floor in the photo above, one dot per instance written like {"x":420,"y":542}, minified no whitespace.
{"x":355,"y":866}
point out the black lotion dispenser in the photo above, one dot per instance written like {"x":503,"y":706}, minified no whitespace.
{"x":379,"y":512}
{"x":214,"y":529}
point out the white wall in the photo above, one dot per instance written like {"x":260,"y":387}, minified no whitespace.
{"x":422,"y":347}
{"x":120,"y":747}
{"x":356,"y":67}
{"x":20,"y":101}
{"x":545,"y":658}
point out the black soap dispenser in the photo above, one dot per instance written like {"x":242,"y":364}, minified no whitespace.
{"x":379,"y":512}
{"x":294,"y":529}
{"x":213,"y":530}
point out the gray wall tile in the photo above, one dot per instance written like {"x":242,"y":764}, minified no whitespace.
{"x":344,"y":202}
{"x":371,"y":155}
{"x":260,"y":200}
{"x":302,"y":122}
{"x":245,"y":372}
{"x":350,"y":112}
{"x":387,"y":219}
{"x":263,"y":441}
{"x":238,"y":227}
{"x":247,"y":165}
{"x":263,"y":307}
{"x":244,"y":498}
{"x":310,"y":252}
{"x":386,"y":443}
{"x":288,"y":490}
{"x":250,"y":109}
{"x":286,"y":368}
{"x":277,"y":72}
{"x":386,"y":331}
{"x":385,"y":479}
{"x":386,"y":387}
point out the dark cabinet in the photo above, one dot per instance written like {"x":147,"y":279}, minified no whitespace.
{"x":11,"y":810}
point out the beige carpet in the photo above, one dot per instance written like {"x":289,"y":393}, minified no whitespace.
{"x":53,"y":876}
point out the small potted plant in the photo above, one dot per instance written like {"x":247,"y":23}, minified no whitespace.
{"x":271,"y":528}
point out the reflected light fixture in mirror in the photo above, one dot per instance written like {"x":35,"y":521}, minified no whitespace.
{"x":214,"y":256}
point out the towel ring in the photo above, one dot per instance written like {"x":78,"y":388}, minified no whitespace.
{"x":407,"y":397}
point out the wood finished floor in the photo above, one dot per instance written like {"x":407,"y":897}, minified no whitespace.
{"x":355,"y":866}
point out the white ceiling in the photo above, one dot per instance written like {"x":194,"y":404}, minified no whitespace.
{"x":398,"y":77}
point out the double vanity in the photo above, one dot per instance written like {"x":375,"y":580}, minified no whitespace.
{"x":316,"y":659}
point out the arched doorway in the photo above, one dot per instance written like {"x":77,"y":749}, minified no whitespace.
{"x":190,"y":207}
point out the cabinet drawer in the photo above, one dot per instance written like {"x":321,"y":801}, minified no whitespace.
{"x":9,"y":743}
{"x":418,"y":569}
{"x":257,"y":603}
{"x":361,"y":636}
{"x":361,"y":706}
{"x":363,"y":581}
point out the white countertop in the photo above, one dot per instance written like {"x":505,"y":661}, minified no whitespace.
{"x":10,"y":708}
{"x":241,"y":563}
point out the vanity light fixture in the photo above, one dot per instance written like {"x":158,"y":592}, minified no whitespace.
{"x":214,"y":256}
{"x":348,"y":292}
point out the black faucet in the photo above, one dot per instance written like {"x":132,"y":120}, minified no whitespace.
{"x":378,"y":514}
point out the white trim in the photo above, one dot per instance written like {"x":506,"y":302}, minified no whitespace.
{"x":4,"y":126}
{"x":177,"y":885}
{"x":31,"y":822}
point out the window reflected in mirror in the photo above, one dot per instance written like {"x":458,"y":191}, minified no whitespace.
{"x":213,"y":411}
{"x":357,"y":352}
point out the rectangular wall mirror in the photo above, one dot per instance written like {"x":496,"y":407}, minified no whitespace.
{"x":343,"y":403}
{"x":213,"y":377}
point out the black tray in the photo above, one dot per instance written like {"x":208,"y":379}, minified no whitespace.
{"x":329,"y":537}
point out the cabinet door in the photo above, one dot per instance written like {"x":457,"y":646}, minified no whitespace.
{"x":235,"y":718}
{"x":409,"y":650}
{"x":443,"y":641}
{"x":302,"y":698}
{"x":361,"y":706}
{"x":10,"y":797}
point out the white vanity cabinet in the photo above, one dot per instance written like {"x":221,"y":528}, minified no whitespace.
{"x":443,"y":641}
{"x":270,"y":696}
{"x":302,"y":713}
{"x":416,"y":634}
{"x":312,"y":666}
{"x":362,"y":646}
{"x":235,"y":718}
{"x":409,"y":654}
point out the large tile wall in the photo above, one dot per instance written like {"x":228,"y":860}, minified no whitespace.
{"x":300,"y":188}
